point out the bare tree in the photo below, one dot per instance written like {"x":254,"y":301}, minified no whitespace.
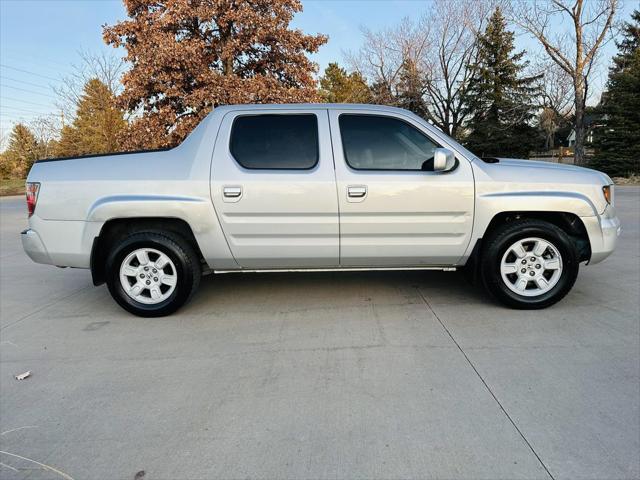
{"x":46,"y":130}
{"x":384,"y":53}
{"x":4,"y":139}
{"x":556,"y":99}
{"x":441,"y":45}
{"x":557,"y":88}
{"x":453,"y":49}
{"x":576,"y":51}
{"x":106,"y":67}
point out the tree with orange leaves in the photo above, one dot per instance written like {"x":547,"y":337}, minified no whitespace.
{"x":189,"y":56}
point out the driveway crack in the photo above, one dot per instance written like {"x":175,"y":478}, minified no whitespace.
{"x":44,"y":307}
{"x":426,"y":302}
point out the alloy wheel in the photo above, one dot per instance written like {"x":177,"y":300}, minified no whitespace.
{"x":148,"y":276}
{"x":531,"y":267}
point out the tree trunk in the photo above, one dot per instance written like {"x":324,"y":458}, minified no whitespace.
{"x":226,"y":34}
{"x":548,"y":142}
{"x":579,"y":124}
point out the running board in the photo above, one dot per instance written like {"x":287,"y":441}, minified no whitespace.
{"x":338,"y":269}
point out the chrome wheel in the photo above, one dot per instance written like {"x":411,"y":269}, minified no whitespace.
{"x":531,"y":267}
{"x":148,"y":276}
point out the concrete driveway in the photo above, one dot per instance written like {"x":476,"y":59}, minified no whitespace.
{"x":353,"y":375}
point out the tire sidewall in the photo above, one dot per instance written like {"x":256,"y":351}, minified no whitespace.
{"x":493,"y":278}
{"x":167,"y":246}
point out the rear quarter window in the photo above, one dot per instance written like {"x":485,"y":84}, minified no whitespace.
{"x":275,"y":142}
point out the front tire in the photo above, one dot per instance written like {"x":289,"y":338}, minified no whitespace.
{"x":152,"y":273}
{"x":529,"y":264}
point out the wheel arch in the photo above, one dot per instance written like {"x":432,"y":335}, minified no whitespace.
{"x":567,"y":221}
{"x":116,"y":228}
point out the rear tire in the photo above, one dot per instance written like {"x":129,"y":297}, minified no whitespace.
{"x":152,"y":273}
{"x":529,"y":264}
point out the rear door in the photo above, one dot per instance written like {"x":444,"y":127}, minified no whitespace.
{"x":394,"y":209}
{"x":273,"y":187}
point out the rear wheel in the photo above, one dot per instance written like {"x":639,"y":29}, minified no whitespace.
{"x":151,"y":273}
{"x":529,"y":264}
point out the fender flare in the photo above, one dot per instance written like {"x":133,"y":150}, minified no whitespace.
{"x":130,"y":206}
{"x":539,"y":201}
{"x":491,"y":205}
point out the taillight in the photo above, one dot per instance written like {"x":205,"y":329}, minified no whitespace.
{"x":32,"y":196}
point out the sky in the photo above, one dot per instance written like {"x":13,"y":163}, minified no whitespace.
{"x":40,"y":41}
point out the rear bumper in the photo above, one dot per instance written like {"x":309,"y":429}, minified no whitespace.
{"x":33,"y":247}
{"x":64,"y":243}
{"x":603,"y":231}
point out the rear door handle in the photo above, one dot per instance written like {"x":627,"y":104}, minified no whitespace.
{"x":356,"y":193}
{"x":232,"y":194}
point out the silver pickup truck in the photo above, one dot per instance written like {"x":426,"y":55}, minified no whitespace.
{"x":316,"y":187}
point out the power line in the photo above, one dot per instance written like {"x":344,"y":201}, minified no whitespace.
{"x":22,"y":110}
{"x":24,"y":117}
{"x":28,"y":72}
{"x":26,"y":83}
{"x":13,"y":120}
{"x":23,"y":101}
{"x":9,"y":113}
{"x":28,"y":91}
{"x":60,"y":67}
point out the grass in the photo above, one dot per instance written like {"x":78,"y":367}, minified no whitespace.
{"x":11,"y":186}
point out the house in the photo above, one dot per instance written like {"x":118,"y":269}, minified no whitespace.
{"x":591,"y":123}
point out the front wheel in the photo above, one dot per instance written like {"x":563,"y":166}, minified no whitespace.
{"x":152,"y":273}
{"x":529,"y":264}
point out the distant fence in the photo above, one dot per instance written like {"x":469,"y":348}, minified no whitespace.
{"x":558,"y":155}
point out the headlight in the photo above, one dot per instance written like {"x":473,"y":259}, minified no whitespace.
{"x":607,"y":190}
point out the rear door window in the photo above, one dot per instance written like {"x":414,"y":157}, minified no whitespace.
{"x":275,"y":142}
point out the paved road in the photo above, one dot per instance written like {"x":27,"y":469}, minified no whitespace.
{"x":354,"y":375}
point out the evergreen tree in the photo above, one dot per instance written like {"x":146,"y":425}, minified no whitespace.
{"x":382,"y":94}
{"x":500,"y":97}
{"x":629,"y":45}
{"x":338,"y":86}
{"x":22,"y":151}
{"x":617,"y":137}
{"x":97,"y":125}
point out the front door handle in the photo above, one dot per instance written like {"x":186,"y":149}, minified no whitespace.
{"x":356,"y":193}
{"x":232,"y":194}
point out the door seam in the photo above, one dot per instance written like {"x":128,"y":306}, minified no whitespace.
{"x":335,"y":184}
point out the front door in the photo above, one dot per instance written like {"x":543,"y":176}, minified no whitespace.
{"x":394,"y":209}
{"x":273,"y":187}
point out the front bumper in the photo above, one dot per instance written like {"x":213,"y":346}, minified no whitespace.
{"x":603,"y":231}
{"x":33,"y":246}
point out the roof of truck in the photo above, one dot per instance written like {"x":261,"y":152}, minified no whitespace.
{"x":309,"y":106}
{"x":257,"y":107}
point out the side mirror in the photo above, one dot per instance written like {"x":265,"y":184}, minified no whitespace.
{"x":443,"y":160}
